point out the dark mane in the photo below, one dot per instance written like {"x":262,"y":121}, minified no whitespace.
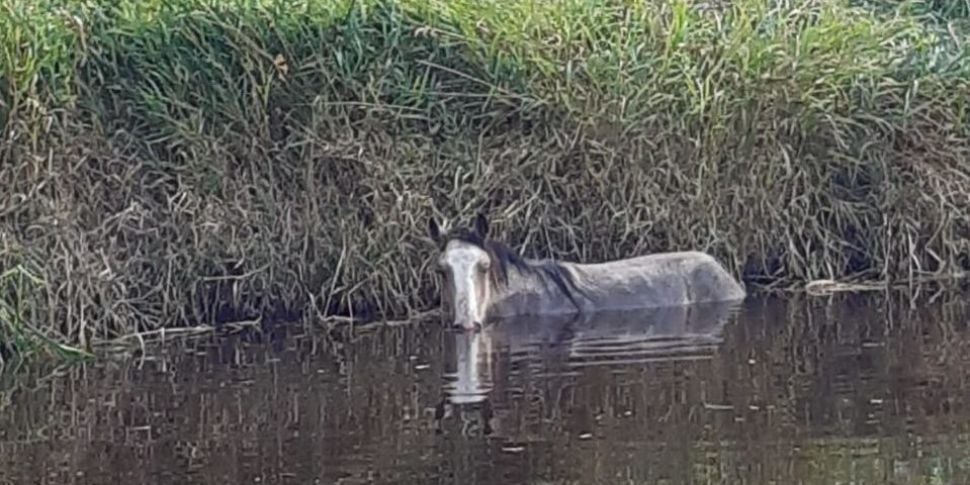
{"x":503,"y":258}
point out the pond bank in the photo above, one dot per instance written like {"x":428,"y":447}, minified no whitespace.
{"x":178,"y":163}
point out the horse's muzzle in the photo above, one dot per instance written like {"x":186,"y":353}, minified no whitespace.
{"x":469,"y":326}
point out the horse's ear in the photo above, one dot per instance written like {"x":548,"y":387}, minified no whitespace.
{"x":481,"y":225}
{"x":433,"y":230}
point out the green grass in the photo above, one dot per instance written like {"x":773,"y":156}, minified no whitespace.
{"x":206,"y":161}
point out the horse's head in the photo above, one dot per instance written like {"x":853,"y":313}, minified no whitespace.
{"x":465,"y":264}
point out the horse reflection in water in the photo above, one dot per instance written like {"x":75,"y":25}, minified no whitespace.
{"x":607,"y":338}
{"x":469,"y":382}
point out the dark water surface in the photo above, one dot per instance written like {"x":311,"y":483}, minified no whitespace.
{"x":843,"y":389}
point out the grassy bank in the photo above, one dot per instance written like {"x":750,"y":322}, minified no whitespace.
{"x":19,"y":337}
{"x":214,"y":161}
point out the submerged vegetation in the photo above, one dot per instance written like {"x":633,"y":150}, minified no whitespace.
{"x":165,"y":163}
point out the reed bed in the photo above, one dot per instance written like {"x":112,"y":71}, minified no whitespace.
{"x":197,"y":162}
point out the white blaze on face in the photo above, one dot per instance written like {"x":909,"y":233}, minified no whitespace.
{"x":467,"y":266}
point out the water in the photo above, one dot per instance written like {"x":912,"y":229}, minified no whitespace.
{"x":847,"y":389}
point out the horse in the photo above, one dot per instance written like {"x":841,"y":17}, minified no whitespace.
{"x":485,"y":280}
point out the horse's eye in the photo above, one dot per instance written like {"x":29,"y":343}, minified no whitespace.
{"x":485,"y":264}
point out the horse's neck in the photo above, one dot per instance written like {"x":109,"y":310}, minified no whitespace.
{"x":526,"y":290}
{"x":519,"y":281}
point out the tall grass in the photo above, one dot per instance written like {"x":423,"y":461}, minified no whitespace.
{"x":19,"y":337}
{"x":198,"y":161}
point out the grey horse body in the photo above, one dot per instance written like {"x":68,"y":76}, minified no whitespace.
{"x":547,"y":287}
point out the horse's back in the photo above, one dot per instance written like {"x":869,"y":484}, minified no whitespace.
{"x":660,"y":279}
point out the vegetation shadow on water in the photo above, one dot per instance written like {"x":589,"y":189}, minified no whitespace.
{"x":850,"y":387}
